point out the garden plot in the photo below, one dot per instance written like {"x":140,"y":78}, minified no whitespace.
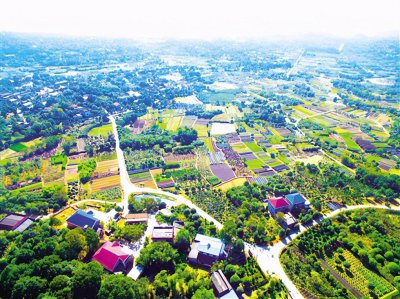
{"x":8,"y":153}
{"x":240,"y":148}
{"x":254,"y":164}
{"x":173,"y":123}
{"x":51,"y":174}
{"x":179,"y":158}
{"x":222,"y":129}
{"x":202,"y":130}
{"x":248,"y":156}
{"x":230,"y":184}
{"x":112,"y":194}
{"x":64,"y":215}
{"x":140,"y":125}
{"x":106,"y":168}
{"x":254,"y":147}
{"x":302,"y":111}
{"x":103,"y":131}
{"x":143,"y":178}
{"x":347,"y":138}
{"x":188,"y":121}
{"x":216,"y":157}
{"x":104,"y":183}
{"x":222,"y":171}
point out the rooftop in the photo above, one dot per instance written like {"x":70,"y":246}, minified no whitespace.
{"x":13,"y":221}
{"x":220,"y":282}
{"x":295,"y":198}
{"x":163,"y":232}
{"x":82,"y":219}
{"x":209,"y":245}
{"x":109,"y":254}
{"x":278,"y":202}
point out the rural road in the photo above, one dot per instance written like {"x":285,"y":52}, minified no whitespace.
{"x":268,"y":256}
{"x":129,"y":188}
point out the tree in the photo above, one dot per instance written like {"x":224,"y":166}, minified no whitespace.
{"x":61,"y":287}
{"x":92,"y":239}
{"x":186,"y":135}
{"x":122,"y":287}
{"x":86,"y":280}
{"x":182,"y":240}
{"x":29,"y":287}
{"x":157,"y":256}
{"x":133,"y":232}
{"x":76,"y":245}
{"x":203,"y":293}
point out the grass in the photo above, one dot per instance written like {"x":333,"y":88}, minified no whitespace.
{"x":30,"y":187}
{"x":283,"y":158}
{"x":19,"y":147}
{"x":254,"y":164}
{"x":103,"y":131}
{"x":254,"y":147}
{"x":232,"y":183}
{"x":202,"y":130}
{"x":350,"y":143}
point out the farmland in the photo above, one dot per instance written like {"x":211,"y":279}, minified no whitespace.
{"x":104,"y":183}
{"x":345,"y":254}
{"x":103,"y":131}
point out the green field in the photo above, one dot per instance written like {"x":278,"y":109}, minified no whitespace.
{"x":350,"y":143}
{"x":254,"y":164}
{"x":207,"y":143}
{"x":254,"y":147}
{"x":101,"y":131}
{"x":303,"y":110}
{"x":19,"y":147}
{"x":202,"y":130}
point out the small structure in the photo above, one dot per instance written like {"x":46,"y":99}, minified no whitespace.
{"x":205,"y":251}
{"x":163,"y":234}
{"x":221,"y":286}
{"x":83,"y":220}
{"x":111,"y":256}
{"x":15,"y":222}
{"x":177,"y":224}
{"x":288,"y":221}
{"x":278,"y":204}
{"x":296,"y":201}
{"x":136,"y":218}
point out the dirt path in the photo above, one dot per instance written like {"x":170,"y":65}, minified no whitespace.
{"x":340,"y":279}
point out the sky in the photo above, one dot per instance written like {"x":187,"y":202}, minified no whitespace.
{"x":205,"y":19}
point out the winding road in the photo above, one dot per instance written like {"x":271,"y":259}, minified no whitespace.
{"x":129,"y":188}
{"x":266,"y":256}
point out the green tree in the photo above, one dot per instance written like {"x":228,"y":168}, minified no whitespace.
{"x":182,"y":240}
{"x":61,"y":287}
{"x":92,"y":239}
{"x":157,"y":256}
{"x":203,"y":293}
{"x":29,"y":287}
{"x":122,"y":287}
{"x":86,"y":280}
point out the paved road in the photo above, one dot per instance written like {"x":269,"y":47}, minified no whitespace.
{"x":268,"y":256}
{"x":129,"y":188}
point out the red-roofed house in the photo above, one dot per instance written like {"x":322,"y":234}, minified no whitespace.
{"x":111,"y":256}
{"x":277,"y":204}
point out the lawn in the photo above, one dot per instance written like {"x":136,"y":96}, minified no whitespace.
{"x":254,"y":164}
{"x":104,"y":130}
{"x":254,"y":147}
{"x":19,"y":147}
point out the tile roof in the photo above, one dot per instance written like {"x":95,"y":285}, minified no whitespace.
{"x":82,"y":219}
{"x":12,"y":221}
{"x":295,"y":198}
{"x":109,"y":254}
{"x":278,"y":202}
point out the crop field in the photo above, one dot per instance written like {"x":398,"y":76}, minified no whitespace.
{"x":208,"y":144}
{"x":173,"y":123}
{"x":19,"y":147}
{"x":202,"y":130}
{"x":32,"y":142}
{"x":240,"y":147}
{"x":188,"y":121}
{"x":222,"y":171}
{"x":179,"y":158}
{"x":71,"y":173}
{"x":7,"y":153}
{"x":64,"y":215}
{"x":254,"y":164}
{"x":104,"y":183}
{"x":350,"y":143}
{"x":303,"y":110}
{"x":51,"y":173}
{"x":232,"y":183}
{"x":140,"y":176}
{"x":106,"y":157}
{"x":108,"y":166}
{"x":103,"y":131}
{"x":358,"y":276}
{"x":254,"y":147}
{"x":112,"y":194}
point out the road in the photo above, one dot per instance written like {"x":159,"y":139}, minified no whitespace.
{"x":268,"y":256}
{"x":129,"y":188}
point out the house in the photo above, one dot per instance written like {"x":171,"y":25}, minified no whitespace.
{"x":221,"y":286}
{"x":83,"y":220}
{"x":136,"y":218}
{"x":296,"y":201}
{"x":163,"y":234}
{"x":15,"y":222}
{"x":205,"y":251}
{"x":278,"y":204}
{"x":112,"y":257}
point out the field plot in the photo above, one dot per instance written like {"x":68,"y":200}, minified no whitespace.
{"x":232,"y":183}
{"x":188,"y":121}
{"x":103,"y":131}
{"x":105,"y":168}
{"x":104,"y":183}
{"x":8,"y":153}
{"x":254,"y":164}
{"x":202,"y":130}
{"x":347,"y":138}
{"x":51,"y":174}
{"x":140,"y":125}
{"x":19,"y":147}
{"x":303,"y":110}
{"x":173,"y":123}
{"x":240,"y":147}
{"x":144,"y":178}
{"x":254,"y":147}
{"x":32,"y":142}
{"x":112,"y":194}
{"x":222,"y":171}
{"x":179,"y":158}
{"x":323,"y":120}
{"x":358,"y":276}
{"x":71,"y":173}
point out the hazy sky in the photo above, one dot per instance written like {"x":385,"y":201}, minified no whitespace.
{"x":205,"y":19}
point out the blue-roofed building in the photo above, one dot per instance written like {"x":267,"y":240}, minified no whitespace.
{"x":205,"y":251}
{"x":83,"y":220}
{"x":297,"y":201}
